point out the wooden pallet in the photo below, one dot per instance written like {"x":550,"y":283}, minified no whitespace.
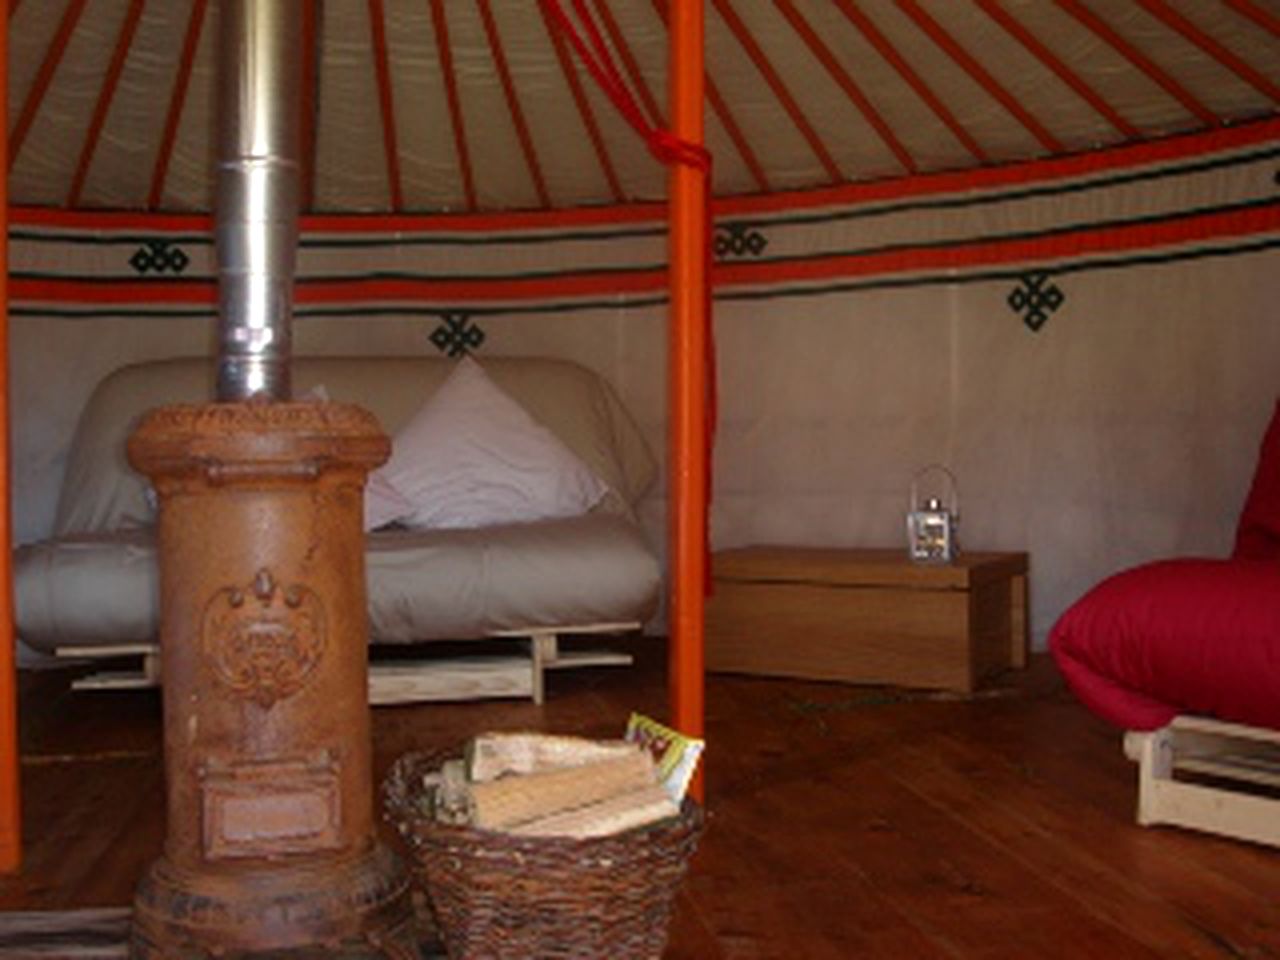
{"x":1208,"y":775}
{"x":411,"y":681}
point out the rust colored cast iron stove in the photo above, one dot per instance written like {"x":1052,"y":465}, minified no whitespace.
{"x":271,"y":847}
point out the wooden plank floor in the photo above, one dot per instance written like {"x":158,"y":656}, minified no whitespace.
{"x":843,"y":821}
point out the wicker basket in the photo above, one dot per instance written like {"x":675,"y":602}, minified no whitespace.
{"x":496,"y":896}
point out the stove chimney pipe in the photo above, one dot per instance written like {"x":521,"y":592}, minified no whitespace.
{"x":260,"y":79}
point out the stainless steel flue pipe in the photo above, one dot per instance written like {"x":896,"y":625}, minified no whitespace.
{"x":257,"y":194}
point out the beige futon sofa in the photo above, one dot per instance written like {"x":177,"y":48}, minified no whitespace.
{"x":92,"y":587}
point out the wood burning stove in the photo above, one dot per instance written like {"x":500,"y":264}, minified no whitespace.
{"x":271,"y":846}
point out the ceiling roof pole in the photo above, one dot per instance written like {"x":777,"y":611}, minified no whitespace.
{"x":10,"y":806}
{"x":688,"y":350}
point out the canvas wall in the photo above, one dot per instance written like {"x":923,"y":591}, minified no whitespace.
{"x":1092,"y":346}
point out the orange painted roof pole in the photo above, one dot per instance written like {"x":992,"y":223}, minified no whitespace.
{"x":10,"y":808}
{"x":687,"y":376}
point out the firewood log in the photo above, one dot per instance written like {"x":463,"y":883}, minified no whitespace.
{"x":504,"y":803}
{"x":493,"y":755}
{"x":614,"y":814}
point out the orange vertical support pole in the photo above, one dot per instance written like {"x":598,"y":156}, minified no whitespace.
{"x":687,"y":376}
{"x":10,"y":809}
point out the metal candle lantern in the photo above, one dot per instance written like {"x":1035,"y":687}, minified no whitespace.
{"x":931,"y":523}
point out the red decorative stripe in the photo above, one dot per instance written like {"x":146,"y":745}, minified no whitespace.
{"x":584,"y":106}
{"x":763,"y":64}
{"x":1180,"y":24}
{"x":105,"y":95}
{"x":1063,"y":244}
{"x":1266,"y":20}
{"x":386,"y":103}
{"x":445,"y":49}
{"x":977,"y":253}
{"x":513,"y":104}
{"x":44,"y":76}
{"x":310,"y":98}
{"x":850,"y":87}
{"x":1030,"y":173}
{"x":1060,"y":69}
{"x":177,"y":99}
{"x":721,"y":108}
{"x":1131,"y":53}
{"x":980,"y":74}
{"x":887,"y":50}
{"x":656,"y":116}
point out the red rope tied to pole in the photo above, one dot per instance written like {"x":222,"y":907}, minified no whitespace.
{"x":668,"y":149}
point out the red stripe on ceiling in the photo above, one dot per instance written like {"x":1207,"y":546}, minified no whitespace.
{"x":44,"y":76}
{"x":513,"y":104}
{"x":445,"y":49}
{"x":177,"y":99}
{"x":630,"y":65}
{"x":1263,"y":18}
{"x":846,"y":83}
{"x":386,"y":103}
{"x":106,"y":94}
{"x":1131,"y":53}
{"x":761,"y":60}
{"x":1134,"y":157}
{"x":584,"y":106}
{"x":1060,"y":69}
{"x":980,"y":74}
{"x":726,"y":118}
{"x":310,"y":103}
{"x":1180,"y":24}
{"x":887,"y":50}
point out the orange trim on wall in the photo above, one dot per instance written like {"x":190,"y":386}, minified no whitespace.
{"x":10,"y":766}
{"x":687,"y":386}
{"x":1058,"y":245}
{"x":1114,"y":159}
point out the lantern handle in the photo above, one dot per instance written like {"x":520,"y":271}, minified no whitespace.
{"x":953,"y":488}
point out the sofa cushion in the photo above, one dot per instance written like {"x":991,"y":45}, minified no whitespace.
{"x":100,"y":492}
{"x":472,"y":457}
{"x":100,"y":589}
{"x":1177,"y":636}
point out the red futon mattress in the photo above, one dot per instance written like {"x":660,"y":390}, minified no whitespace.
{"x":1187,"y":635}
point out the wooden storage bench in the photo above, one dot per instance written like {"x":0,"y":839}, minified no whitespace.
{"x":867,"y":616}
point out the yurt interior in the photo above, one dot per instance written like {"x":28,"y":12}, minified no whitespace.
{"x":884,"y":394}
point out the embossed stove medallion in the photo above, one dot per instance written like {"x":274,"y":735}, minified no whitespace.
{"x":263,"y":640}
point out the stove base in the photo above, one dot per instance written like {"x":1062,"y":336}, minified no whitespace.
{"x":357,"y":911}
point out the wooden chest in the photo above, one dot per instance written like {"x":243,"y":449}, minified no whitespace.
{"x":867,"y":616}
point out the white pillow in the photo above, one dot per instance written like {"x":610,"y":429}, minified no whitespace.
{"x":383,"y":503}
{"x":473,"y":457}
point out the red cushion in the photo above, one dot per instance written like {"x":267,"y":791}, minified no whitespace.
{"x":1258,"y":534}
{"x":1178,"y":636}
